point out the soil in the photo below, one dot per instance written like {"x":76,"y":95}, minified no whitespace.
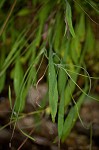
{"x":41,"y":128}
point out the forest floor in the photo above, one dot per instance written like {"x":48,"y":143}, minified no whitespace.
{"x":84,"y":136}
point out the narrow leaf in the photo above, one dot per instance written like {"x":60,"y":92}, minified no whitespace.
{"x":2,"y":3}
{"x":72,"y":116}
{"x":43,"y":15}
{"x":18,"y":76}
{"x":80,"y":28}
{"x":70,"y":88}
{"x":69,"y":18}
{"x":53,"y":92}
{"x":75,"y":49}
{"x":10,"y":100}
{"x":90,"y":39}
{"x":27,"y":135}
{"x":62,"y":77}
{"x":58,"y":33}
{"x":61,"y":114}
{"x":24,"y":12}
{"x":3,"y":77}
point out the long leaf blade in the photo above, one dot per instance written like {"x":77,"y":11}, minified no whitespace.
{"x":72,"y":116}
{"x":53,"y":92}
{"x":61,"y":114}
{"x":69,"y":18}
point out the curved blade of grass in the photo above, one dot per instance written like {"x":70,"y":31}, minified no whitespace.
{"x":79,"y":86}
{"x":72,"y":71}
{"x":68,"y":18}
{"x":72,"y":116}
{"x":53,"y":92}
{"x":72,"y":82}
{"x":93,"y":5}
{"x":24,"y":133}
{"x":14,"y":52}
{"x":24,"y":86}
{"x":85,"y":12}
{"x":16,"y":48}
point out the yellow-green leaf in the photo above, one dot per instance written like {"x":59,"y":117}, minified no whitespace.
{"x":75,"y":49}
{"x":69,"y":18}
{"x":80,"y":28}
{"x":23,"y":12}
{"x":90,"y":39}
{"x":62,"y":77}
{"x":18,"y":76}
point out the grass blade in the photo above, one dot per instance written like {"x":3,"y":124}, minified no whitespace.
{"x":3,"y":77}
{"x":58,"y":32}
{"x":61,"y":114}
{"x":53,"y":92}
{"x":62,"y":78}
{"x":18,"y":75}
{"x":10,"y":100}
{"x":72,"y":116}
{"x":68,"y":18}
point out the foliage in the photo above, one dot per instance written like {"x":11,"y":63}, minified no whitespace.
{"x":59,"y":31}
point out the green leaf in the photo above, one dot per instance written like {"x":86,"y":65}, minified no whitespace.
{"x":70,"y":87}
{"x":53,"y":92}
{"x":66,"y":49}
{"x":80,"y":28}
{"x":90,"y":39}
{"x":16,"y":48}
{"x":58,"y":33}
{"x":3,"y":77}
{"x":61,"y":114}
{"x":72,"y":116}
{"x":23,"y":12}
{"x":43,"y":15}
{"x":25,"y":84}
{"x":18,"y":76}
{"x":27,"y":135}
{"x":94,"y":5}
{"x":2,"y":3}
{"x":75,"y":49}
{"x":62,"y":77}
{"x":2,"y":81}
{"x":69,"y":18}
{"x":10,"y":100}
